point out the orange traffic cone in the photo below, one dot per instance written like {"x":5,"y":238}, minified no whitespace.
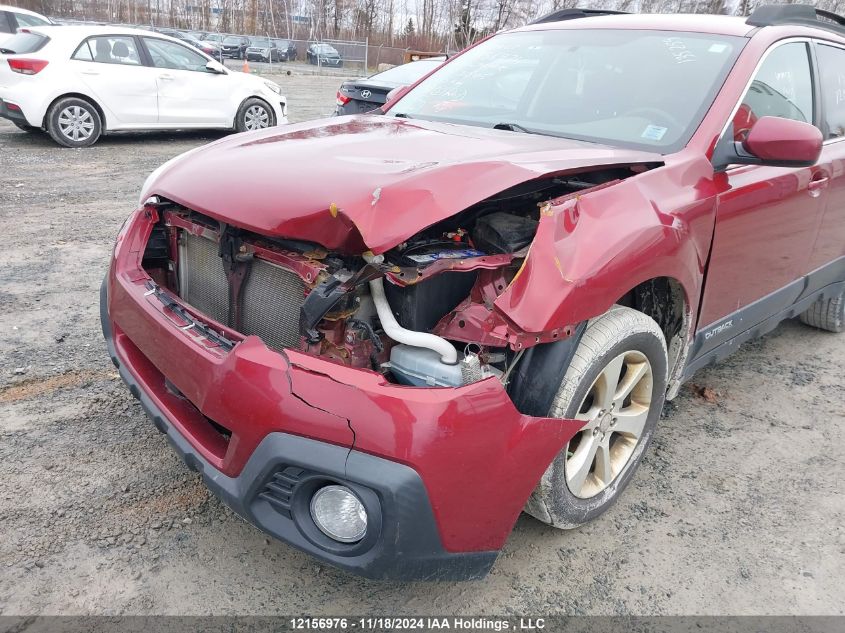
{"x":246,"y":66}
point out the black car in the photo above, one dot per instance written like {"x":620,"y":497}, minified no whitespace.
{"x":367,"y":94}
{"x":271,"y":50}
{"x":235,"y":46}
{"x":321,"y":54}
{"x":184,"y":37}
{"x":214,"y":37}
{"x":288,"y":49}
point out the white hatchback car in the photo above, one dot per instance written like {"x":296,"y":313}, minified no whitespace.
{"x":77,"y":82}
{"x":13,"y":18}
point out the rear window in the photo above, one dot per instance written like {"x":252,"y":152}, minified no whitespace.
{"x":23,"y":43}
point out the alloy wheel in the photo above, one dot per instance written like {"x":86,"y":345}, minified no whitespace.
{"x":615,"y":410}
{"x":76,"y":123}
{"x":256,"y":118}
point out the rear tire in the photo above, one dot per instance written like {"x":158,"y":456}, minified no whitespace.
{"x":74,"y":122}
{"x":826,"y":314}
{"x":616,"y":382}
{"x":254,"y":114}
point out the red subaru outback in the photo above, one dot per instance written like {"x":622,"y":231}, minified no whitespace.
{"x":379,"y":338}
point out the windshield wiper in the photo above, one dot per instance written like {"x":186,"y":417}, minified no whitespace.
{"x":513,"y":127}
{"x":7,"y":51}
{"x":402,"y":115}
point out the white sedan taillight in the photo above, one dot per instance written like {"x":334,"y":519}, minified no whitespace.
{"x":27,"y":66}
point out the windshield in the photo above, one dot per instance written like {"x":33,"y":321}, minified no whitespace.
{"x":232,"y":40}
{"x":324,"y":48}
{"x":408,"y":73}
{"x":640,"y":89}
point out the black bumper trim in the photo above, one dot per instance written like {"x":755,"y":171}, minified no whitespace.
{"x":12,"y":115}
{"x":408,"y":546}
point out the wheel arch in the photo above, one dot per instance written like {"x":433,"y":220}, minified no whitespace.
{"x":666,"y":301}
{"x":76,"y":95}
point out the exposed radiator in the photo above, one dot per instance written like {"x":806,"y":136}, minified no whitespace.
{"x":270,"y":299}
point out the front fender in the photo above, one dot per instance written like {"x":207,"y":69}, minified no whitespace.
{"x":590,"y":250}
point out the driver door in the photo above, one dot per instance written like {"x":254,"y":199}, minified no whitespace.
{"x":767,"y":216}
{"x":189,"y":95}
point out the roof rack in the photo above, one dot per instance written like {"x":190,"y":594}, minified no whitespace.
{"x":803,"y":14}
{"x":573,"y":14}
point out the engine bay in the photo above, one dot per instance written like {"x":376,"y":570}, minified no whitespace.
{"x":399,"y":313}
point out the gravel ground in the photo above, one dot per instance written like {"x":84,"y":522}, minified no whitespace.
{"x":737,"y":508}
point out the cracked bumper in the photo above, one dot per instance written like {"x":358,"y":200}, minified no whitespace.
{"x":452,"y":467}
{"x":406,"y":544}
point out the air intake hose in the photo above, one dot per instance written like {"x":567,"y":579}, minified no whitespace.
{"x":447,"y":351}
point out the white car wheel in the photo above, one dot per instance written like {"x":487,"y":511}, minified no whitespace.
{"x":74,"y":122}
{"x":254,"y":114}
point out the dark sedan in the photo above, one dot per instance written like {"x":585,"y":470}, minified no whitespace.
{"x":287,"y":48}
{"x":324,"y":55}
{"x":235,"y":46}
{"x":367,"y":94}
{"x":208,"y":48}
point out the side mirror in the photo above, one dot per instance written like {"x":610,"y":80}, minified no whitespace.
{"x":215,"y":67}
{"x":772,"y":141}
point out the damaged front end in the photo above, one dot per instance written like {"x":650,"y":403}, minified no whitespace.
{"x":385,"y":358}
{"x":421,"y":313}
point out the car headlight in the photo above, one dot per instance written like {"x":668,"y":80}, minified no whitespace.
{"x":274,"y":87}
{"x":339,"y":514}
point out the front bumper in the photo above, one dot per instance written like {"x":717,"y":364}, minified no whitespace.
{"x":452,"y":467}
{"x":407,"y":545}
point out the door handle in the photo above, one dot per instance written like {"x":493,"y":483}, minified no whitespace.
{"x":816,"y":185}
{"x":90,"y":72}
{"x":166,"y":77}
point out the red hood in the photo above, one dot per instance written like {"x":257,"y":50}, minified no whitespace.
{"x":365,"y":182}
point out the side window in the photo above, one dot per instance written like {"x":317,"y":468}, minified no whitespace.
{"x":783,"y":87}
{"x":84,"y":52}
{"x":174,"y":56}
{"x":109,"y":49}
{"x":5,"y":27}
{"x":29,"y":20}
{"x":832,"y":72}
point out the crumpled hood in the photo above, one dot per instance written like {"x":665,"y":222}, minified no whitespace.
{"x":365,"y":182}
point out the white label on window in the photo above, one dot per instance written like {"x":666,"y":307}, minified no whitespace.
{"x":654,"y":132}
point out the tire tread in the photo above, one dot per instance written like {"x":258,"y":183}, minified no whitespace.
{"x":603,"y":334}
{"x":826,"y":314}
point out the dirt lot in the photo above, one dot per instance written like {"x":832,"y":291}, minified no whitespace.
{"x":738,"y":508}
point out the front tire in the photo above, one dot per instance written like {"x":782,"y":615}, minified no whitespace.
{"x":616,"y":383}
{"x":74,"y":122}
{"x":254,"y":114}
{"x":826,"y":314}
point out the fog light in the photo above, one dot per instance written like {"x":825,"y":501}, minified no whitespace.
{"x":339,"y":514}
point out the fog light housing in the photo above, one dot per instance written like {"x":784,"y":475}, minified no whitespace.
{"x":339,"y":514}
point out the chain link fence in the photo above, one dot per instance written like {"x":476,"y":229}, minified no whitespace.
{"x":348,"y":58}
